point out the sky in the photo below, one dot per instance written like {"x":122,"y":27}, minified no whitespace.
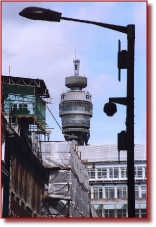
{"x":46,"y":50}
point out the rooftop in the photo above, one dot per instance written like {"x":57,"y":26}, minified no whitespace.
{"x":109,"y":153}
{"x":37,"y":83}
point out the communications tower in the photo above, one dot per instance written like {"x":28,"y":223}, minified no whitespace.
{"x":75,"y":108}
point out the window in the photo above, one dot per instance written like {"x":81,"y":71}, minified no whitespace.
{"x":137,"y":213}
{"x":138,"y":172}
{"x":121,"y":210}
{"x":114,"y":172}
{"x":122,"y":192}
{"x":76,"y":119}
{"x":121,"y":213}
{"x":109,"y":192}
{"x":102,"y":172}
{"x":97,"y":192}
{"x":143,"y":192}
{"x":91,"y":173}
{"x":136,"y":192}
{"x":123,"y":172}
{"x":110,"y":172}
{"x":143,"y":210}
{"x":143,"y":213}
{"x":109,"y":213}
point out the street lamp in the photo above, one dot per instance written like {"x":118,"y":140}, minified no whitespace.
{"x":125,"y":61}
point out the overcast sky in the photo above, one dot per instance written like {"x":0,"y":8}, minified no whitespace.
{"x":46,"y":50}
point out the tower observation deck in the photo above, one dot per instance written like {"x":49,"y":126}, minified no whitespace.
{"x":75,"y":108}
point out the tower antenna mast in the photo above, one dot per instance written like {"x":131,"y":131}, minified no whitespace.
{"x":76,"y":66}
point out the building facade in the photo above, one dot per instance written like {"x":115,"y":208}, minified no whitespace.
{"x":23,"y":125}
{"x":108,"y":180}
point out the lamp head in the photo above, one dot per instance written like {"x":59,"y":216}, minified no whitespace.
{"x":38,"y":13}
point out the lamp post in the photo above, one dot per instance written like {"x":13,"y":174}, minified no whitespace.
{"x":126,"y":61}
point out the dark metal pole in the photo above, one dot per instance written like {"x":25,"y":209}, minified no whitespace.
{"x":130,"y":121}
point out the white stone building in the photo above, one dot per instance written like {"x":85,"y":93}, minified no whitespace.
{"x":108,"y":179}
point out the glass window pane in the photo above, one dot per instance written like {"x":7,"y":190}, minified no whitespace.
{"x":137,"y":213}
{"x":106,"y":213}
{"x":143,"y":213}
{"x":102,"y":172}
{"x":124,"y":192}
{"x":123,"y":172}
{"x":91,"y":173}
{"x":110,"y":172}
{"x":121,"y":192}
{"x":121,"y":213}
{"x":109,"y":213}
{"x":109,"y":192}
{"x":97,"y":192}
{"x":143,"y":192}
{"x":116,"y":173}
{"x":136,"y":192}
{"x":139,"y":171}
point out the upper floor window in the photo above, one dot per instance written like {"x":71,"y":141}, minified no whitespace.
{"x":123,"y":172}
{"x":97,"y":192}
{"x":91,"y":173}
{"x":138,"y":172}
{"x":136,"y":192}
{"x":109,"y":192}
{"x":114,"y":172}
{"x":121,"y":192}
{"x":102,"y":172}
{"x":143,"y":192}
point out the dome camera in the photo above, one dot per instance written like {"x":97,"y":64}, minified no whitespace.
{"x":110,"y":109}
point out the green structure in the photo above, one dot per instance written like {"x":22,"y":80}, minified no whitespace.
{"x":24,"y":98}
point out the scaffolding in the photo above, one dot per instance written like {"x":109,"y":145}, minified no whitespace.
{"x":66,"y":194}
